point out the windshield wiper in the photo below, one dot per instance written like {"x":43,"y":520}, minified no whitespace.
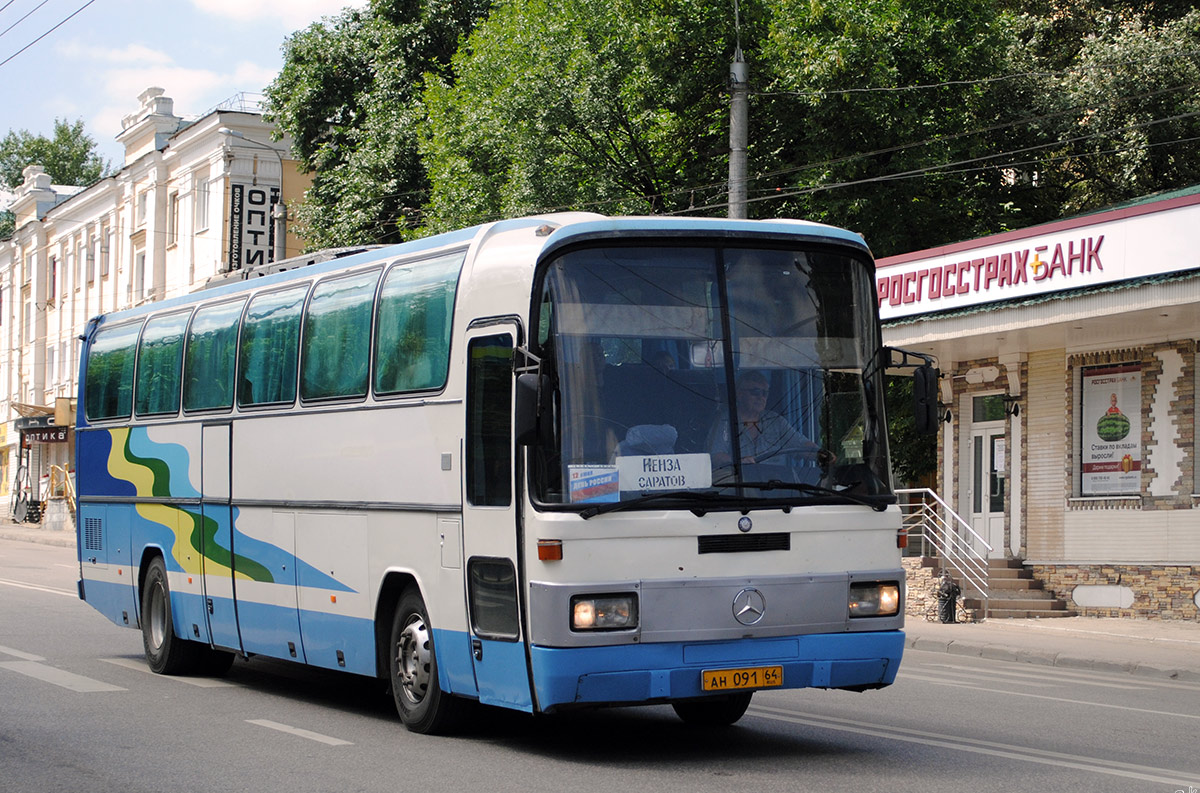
{"x":617,"y":506}
{"x":877,"y":503}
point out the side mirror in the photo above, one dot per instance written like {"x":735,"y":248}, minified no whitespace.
{"x":925,"y":393}
{"x":526,"y":409}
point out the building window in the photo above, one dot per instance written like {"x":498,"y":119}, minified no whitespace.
{"x":987,"y":408}
{"x":143,"y":200}
{"x":106,"y":239}
{"x":138,"y":284}
{"x":51,"y":278}
{"x":1111,"y":430}
{"x":91,"y":259}
{"x":173,"y":219}
{"x":200,"y":205}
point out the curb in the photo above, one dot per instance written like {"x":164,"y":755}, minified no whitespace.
{"x":60,"y":539}
{"x":1001,"y":652}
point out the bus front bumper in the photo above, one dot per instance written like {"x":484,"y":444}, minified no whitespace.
{"x":661,"y":672}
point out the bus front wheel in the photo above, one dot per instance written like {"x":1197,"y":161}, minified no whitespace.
{"x":166,"y":653}
{"x":713,"y":711}
{"x":420,"y":701}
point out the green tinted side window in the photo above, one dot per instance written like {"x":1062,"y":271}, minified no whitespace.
{"x":270,"y":344}
{"x":337,"y":338}
{"x":211,"y":356}
{"x":108,"y":391}
{"x":159,"y":358}
{"x":412,"y":340}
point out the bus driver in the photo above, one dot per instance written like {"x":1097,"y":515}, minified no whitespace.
{"x":762,"y":433}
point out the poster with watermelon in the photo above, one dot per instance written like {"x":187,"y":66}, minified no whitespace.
{"x":1112,"y":430}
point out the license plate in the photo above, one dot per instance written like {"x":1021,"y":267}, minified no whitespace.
{"x":753,"y":677}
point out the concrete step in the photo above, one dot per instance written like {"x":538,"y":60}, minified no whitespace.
{"x":1012,"y":585}
{"x":1019,"y":614}
{"x":1028,"y":603}
{"x":1010,"y":573}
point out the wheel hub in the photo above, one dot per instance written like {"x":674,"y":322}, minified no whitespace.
{"x":413,"y":659}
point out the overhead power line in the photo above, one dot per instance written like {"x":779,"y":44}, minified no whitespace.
{"x":64,"y":21}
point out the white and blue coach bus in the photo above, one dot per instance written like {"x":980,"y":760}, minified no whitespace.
{"x":542,"y":463}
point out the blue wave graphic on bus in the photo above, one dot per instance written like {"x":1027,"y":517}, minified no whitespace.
{"x":175,"y":456}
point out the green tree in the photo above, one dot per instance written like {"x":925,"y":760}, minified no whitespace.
{"x":876,"y":114}
{"x":69,"y":157}
{"x":349,"y":96}
{"x":615,"y":105}
{"x":1128,"y":111}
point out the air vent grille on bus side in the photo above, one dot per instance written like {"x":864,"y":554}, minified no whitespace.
{"x":93,"y":534}
{"x":743,"y":543}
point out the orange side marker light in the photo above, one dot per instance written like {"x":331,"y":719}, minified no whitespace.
{"x":550,"y":550}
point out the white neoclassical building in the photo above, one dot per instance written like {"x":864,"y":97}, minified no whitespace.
{"x":194,"y":198}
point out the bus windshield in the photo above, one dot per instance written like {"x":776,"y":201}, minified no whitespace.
{"x":687,"y":377}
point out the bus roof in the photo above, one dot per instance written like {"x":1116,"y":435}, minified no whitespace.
{"x":563,"y":229}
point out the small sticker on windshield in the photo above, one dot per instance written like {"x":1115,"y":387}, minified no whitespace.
{"x":647,"y":473}
{"x":593,"y":483}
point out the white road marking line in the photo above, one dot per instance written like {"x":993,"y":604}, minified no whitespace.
{"x":1024,"y":753}
{"x":1081,"y":679}
{"x":198,"y":682}
{"x":312,"y":736}
{"x":1087,"y":674}
{"x":59,"y":677}
{"x":51,"y":590}
{"x":972,"y":683}
{"x":21,"y":655}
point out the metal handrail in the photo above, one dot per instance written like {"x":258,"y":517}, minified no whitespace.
{"x":62,"y":485}
{"x":938,"y":527}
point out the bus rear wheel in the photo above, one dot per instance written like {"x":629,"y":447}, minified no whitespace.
{"x":719,"y":711}
{"x":166,"y":653}
{"x":420,"y":701}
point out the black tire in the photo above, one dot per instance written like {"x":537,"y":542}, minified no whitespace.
{"x":422,"y":705}
{"x":166,"y":653}
{"x":719,"y":711}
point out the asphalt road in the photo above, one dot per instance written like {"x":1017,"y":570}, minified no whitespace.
{"x":80,"y":712}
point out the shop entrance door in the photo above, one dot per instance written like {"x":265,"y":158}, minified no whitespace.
{"x":989,"y":474}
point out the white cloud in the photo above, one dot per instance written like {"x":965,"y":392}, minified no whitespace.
{"x":132,"y":53}
{"x":292,"y":14}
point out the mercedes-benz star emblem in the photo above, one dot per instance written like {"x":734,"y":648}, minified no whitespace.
{"x":749,"y":606}
{"x":745,"y":524}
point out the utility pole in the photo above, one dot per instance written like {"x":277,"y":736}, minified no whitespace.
{"x":739,"y":125}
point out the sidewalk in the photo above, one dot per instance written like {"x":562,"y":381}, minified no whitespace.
{"x":33,"y":532}
{"x":1167,"y":649}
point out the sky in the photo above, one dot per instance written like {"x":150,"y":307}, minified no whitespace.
{"x":94,"y":66}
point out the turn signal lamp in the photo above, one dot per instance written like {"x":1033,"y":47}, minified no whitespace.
{"x":550,"y":550}
{"x":875,"y":599}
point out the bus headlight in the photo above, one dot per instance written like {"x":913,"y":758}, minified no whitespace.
{"x":874,"y":599}
{"x":606,"y":612}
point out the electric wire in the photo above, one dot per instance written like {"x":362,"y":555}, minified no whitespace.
{"x":22,"y":19}
{"x":69,"y":17}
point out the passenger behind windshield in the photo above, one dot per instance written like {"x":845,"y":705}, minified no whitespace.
{"x":763,"y":435}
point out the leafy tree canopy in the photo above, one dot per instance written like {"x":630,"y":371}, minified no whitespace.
{"x":69,"y":157}
{"x":349,"y":96}
{"x":614,"y":105}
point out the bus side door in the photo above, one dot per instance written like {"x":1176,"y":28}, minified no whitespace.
{"x":216,"y":544}
{"x":490,"y":542}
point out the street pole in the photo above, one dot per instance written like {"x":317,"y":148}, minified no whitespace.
{"x":739,"y":134}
